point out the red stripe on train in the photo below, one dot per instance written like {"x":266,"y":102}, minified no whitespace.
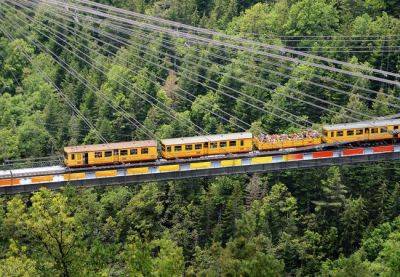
{"x":351,"y":152}
{"x":295,"y":157}
{"x":322,"y":154}
{"x":380,"y":149}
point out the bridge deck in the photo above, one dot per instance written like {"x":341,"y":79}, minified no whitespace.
{"x":54,"y":178}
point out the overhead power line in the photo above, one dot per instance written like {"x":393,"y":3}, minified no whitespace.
{"x":59,"y":91}
{"x":124,"y":41}
{"x":239,"y":47}
{"x":257,"y":107}
{"x":60,"y":61}
{"x":156,"y":20}
{"x":276,"y":84}
{"x":284,"y":118}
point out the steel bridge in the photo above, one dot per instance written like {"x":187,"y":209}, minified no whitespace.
{"x":54,"y":177}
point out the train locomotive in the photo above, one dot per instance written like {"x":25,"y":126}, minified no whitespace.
{"x":224,"y":144}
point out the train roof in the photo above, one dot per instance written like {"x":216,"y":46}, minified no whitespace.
{"x":208,"y":138}
{"x":110,"y":146}
{"x":362,"y":124}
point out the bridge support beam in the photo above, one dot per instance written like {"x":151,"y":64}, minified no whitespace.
{"x":209,"y":172}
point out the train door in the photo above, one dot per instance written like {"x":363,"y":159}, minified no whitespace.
{"x":116,"y":156}
{"x":205,"y":148}
{"x":366,"y":132}
{"x":85,"y":158}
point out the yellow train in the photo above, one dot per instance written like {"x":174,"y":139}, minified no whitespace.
{"x":222,"y":144}
{"x":112,"y":153}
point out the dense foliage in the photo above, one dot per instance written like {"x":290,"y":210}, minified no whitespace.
{"x":335,"y":222}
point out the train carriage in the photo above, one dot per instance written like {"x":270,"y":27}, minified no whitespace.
{"x":190,"y":147}
{"x":286,"y":143}
{"x":112,"y":153}
{"x":361,"y":131}
{"x":221,"y":144}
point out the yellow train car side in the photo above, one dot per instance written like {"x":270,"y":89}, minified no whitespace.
{"x":113,"y":153}
{"x":361,"y":131}
{"x":191,"y":147}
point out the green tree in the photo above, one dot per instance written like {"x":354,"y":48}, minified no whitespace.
{"x":333,"y":195}
{"x":53,"y":225}
{"x":353,"y":220}
{"x":17,"y":264}
{"x":309,"y":17}
{"x":138,"y":258}
{"x":167,"y":260}
{"x":142,"y":213}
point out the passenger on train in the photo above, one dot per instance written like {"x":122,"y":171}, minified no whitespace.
{"x":284,"y":137}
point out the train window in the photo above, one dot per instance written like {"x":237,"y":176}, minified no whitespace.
{"x":213,"y":145}
{"x":366,"y":130}
{"x":222,"y":144}
{"x":359,"y":132}
{"x":72,"y":156}
{"x":232,"y":143}
{"x":133,"y":151}
{"x":108,"y":154}
{"x":383,"y":130}
{"x":144,"y":151}
{"x":325,"y":133}
{"x":198,"y":146}
{"x":188,"y":147}
{"x":350,"y":132}
{"x":242,"y":143}
{"x":177,"y":148}
{"x":65,"y":155}
{"x":98,"y":154}
{"x":163,"y":147}
{"x":116,"y":152}
{"x":123,"y":152}
{"x":374,"y":130}
{"x":168,"y":148}
{"x":339,"y":133}
{"x":332,"y":134}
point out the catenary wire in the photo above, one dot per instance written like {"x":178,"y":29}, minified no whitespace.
{"x":92,"y":88}
{"x":185,"y":91}
{"x":326,"y":78}
{"x":323,"y":78}
{"x":281,"y":117}
{"x":131,"y":32}
{"x":123,"y":85}
{"x":276,"y":84}
{"x":324,"y":108}
{"x":63,"y":96}
{"x":218,"y":34}
{"x":239,"y":47}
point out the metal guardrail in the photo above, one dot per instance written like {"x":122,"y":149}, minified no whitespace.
{"x":31,"y":162}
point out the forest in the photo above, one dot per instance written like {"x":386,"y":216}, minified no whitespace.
{"x":336,"y":221}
